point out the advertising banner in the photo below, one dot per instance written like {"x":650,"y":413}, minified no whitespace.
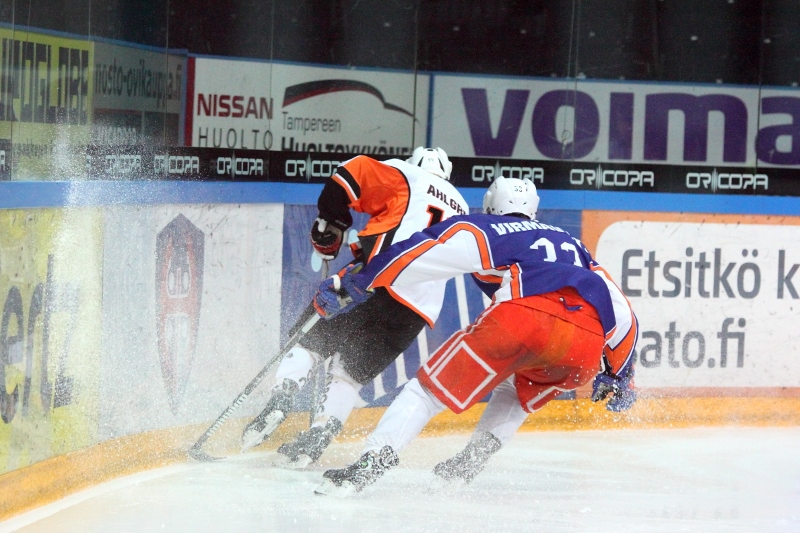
{"x":716,"y":295}
{"x":586,"y":176}
{"x":633,"y":136}
{"x":279,"y":106}
{"x":137,"y":96}
{"x":191,"y":311}
{"x":212,"y":164}
{"x":49,"y":339}
{"x":45,"y":103}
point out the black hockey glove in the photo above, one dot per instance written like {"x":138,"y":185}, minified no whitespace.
{"x":326,"y":239}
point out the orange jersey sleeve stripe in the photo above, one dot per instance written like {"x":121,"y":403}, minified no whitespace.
{"x":488,"y":278}
{"x":516,"y":286}
{"x":617,"y":356}
{"x":396,"y":267}
{"x":377,"y":248}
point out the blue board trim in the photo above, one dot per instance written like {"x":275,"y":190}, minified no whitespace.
{"x":17,"y":195}
{"x":657,"y":202}
{"x":33,"y":194}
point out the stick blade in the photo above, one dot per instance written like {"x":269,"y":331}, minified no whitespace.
{"x":199,"y":455}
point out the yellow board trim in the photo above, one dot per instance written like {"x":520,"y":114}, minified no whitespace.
{"x":53,"y":479}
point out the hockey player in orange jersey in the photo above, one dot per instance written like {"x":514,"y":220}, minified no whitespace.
{"x":556,"y":321}
{"x":401,"y":197}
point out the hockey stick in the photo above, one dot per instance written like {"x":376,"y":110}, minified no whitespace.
{"x":196,"y":451}
{"x":315,"y":378}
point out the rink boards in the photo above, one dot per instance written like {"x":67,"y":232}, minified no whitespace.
{"x":129,"y":325}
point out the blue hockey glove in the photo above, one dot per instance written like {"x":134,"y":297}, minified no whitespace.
{"x":340,"y":293}
{"x":619,"y":384}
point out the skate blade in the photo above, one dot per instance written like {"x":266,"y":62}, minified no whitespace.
{"x":283,"y":461}
{"x":439,"y":485}
{"x":250,"y":439}
{"x":329,"y":488}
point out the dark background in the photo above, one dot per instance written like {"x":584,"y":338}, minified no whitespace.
{"x":713,"y":41}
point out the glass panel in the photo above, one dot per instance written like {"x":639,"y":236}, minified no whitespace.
{"x":80,"y":78}
{"x":127,"y":77}
{"x":777,"y":145}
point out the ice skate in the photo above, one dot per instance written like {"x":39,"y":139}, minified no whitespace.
{"x":308,"y":446}
{"x":363,"y":472}
{"x":271,"y":417}
{"x":468,"y":463}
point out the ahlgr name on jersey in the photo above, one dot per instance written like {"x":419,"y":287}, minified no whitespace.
{"x":439,"y":195}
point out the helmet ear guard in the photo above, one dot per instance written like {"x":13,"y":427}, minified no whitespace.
{"x":506,"y":196}
{"x":434,"y":160}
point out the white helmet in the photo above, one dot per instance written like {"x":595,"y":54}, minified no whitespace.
{"x":434,"y":160}
{"x":511,"y":195}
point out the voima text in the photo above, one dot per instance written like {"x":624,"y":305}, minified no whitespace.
{"x":653,"y":128}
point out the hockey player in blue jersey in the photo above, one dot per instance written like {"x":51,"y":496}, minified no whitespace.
{"x":556,"y":320}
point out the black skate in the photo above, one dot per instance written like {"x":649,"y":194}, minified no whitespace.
{"x":469,"y":462}
{"x":308,"y":446}
{"x":272,"y":416}
{"x":363,"y":472}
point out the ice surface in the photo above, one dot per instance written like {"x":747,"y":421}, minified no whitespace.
{"x":701,"y":479}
